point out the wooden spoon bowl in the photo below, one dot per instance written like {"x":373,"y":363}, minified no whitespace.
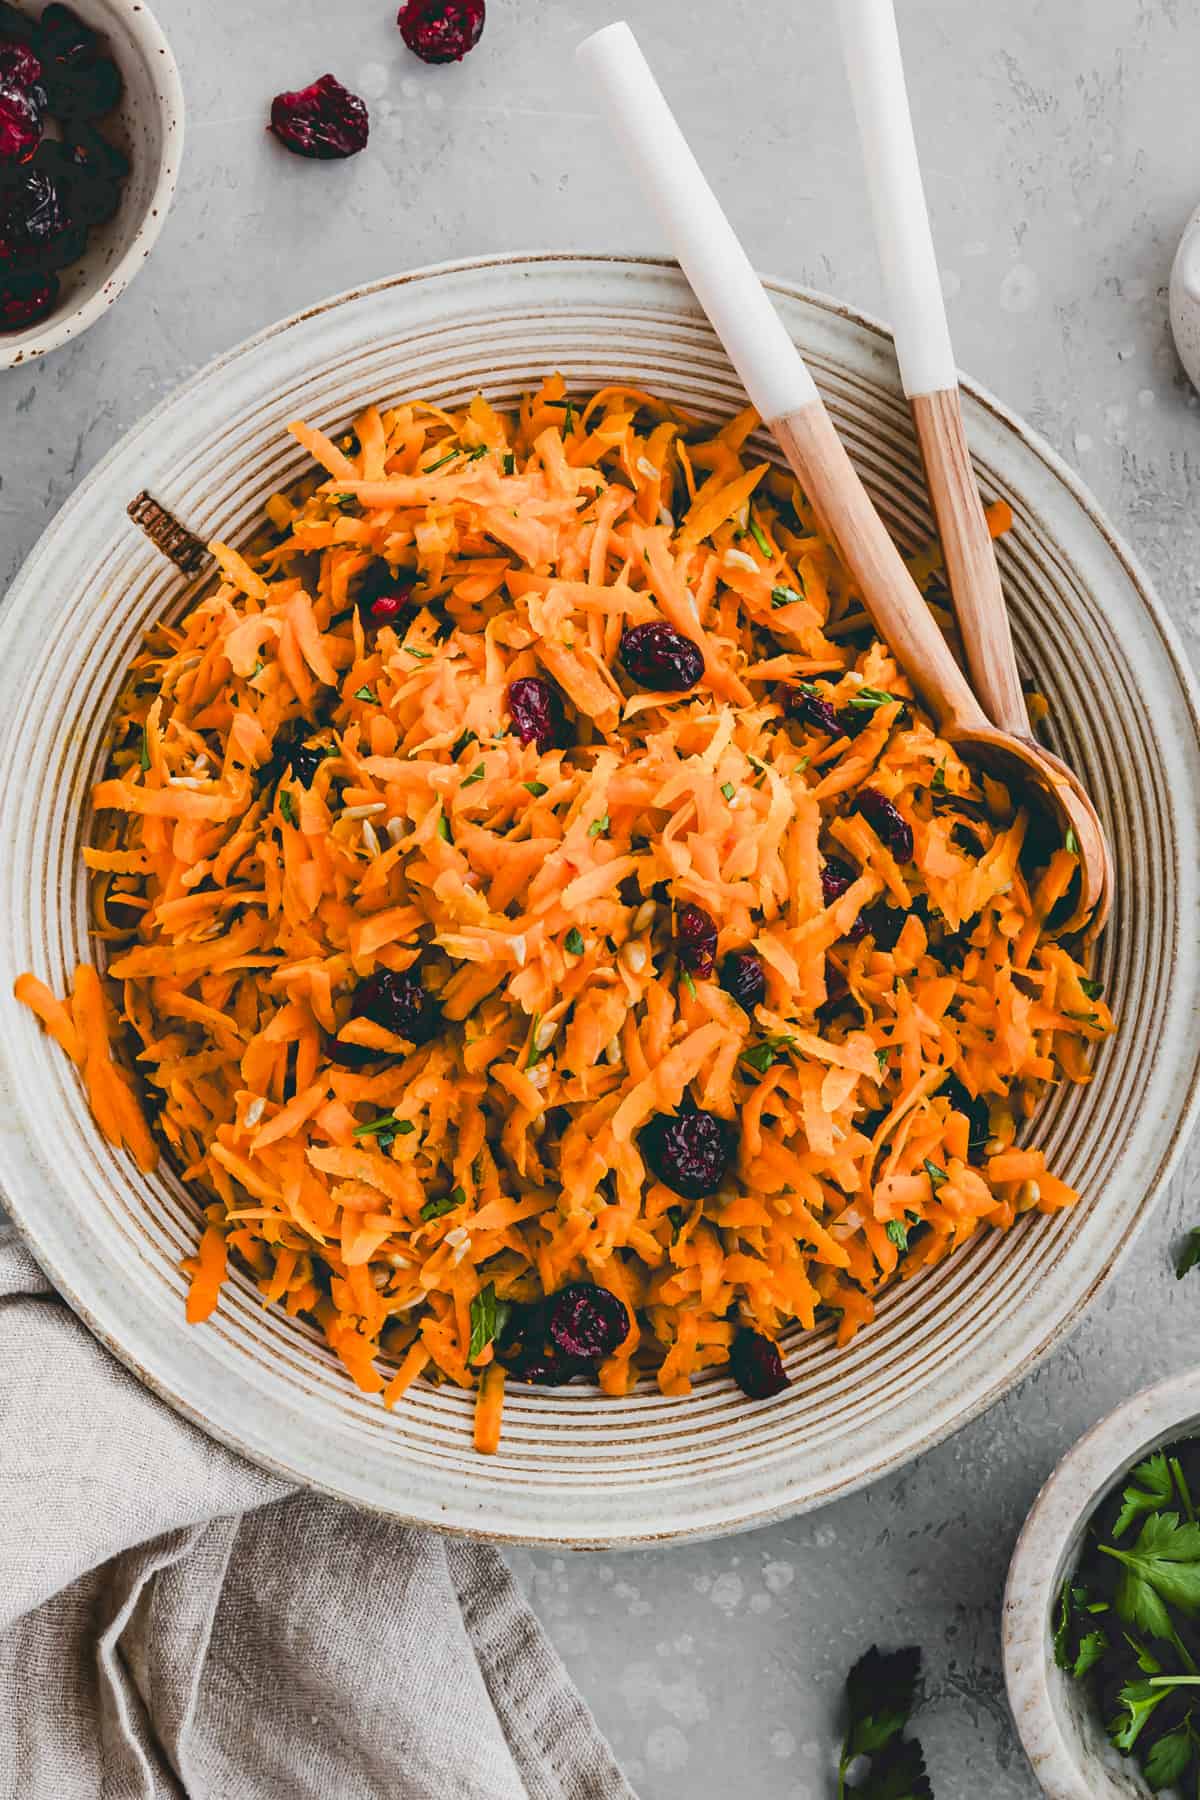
{"x":901,"y":616}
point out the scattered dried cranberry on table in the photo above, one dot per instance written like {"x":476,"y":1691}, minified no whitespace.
{"x":55,"y":78}
{"x":324,"y":121}
{"x":441,"y":31}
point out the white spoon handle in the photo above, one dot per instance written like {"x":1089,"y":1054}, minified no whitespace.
{"x":872,"y":50}
{"x":772,"y":369}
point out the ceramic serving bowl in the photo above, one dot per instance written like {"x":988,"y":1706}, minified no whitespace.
{"x":1184,"y":299}
{"x":148,"y":126}
{"x":576,"y":1466}
{"x":1063,"y":1735}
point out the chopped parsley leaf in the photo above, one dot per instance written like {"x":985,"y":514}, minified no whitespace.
{"x":385,"y":1122}
{"x":437,"y":1209}
{"x":760,"y":538}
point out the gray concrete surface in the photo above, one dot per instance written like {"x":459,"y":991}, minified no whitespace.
{"x":1062,"y":149}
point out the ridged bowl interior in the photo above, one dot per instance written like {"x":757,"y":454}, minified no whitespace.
{"x":575,"y":1466}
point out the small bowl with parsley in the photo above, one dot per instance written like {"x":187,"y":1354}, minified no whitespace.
{"x":1102,"y":1608}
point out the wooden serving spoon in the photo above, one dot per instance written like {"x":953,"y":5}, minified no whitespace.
{"x":927,"y":370}
{"x":783,"y":392}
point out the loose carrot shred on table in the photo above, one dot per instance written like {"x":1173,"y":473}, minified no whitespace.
{"x":300,"y":797}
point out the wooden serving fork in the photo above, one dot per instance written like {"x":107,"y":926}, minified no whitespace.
{"x":783,"y":391}
{"x":930,"y":379}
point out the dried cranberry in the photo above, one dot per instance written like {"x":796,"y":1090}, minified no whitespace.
{"x":535,"y":711}
{"x":26,"y":299}
{"x":383,"y":595}
{"x":20,"y":124}
{"x":836,"y":877}
{"x":19,"y":67}
{"x":807,"y":703}
{"x":87,"y":90}
{"x":836,"y":985}
{"x":756,"y":1365}
{"x":65,"y":39}
{"x":661,"y":658}
{"x":65,"y":248}
{"x":16,"y":25}
{"x":524,"y":1347}
{"x":546,"y":1370}
{"x":742,"y":975}
{"x":696,"y":939}
{"x":586,"y":1322}
{"x":887,"y":822}
{"x":94,"y":202}
{"x":400,"y":1003}
{"x":31,"y":218}
{"x":324,"y":121}
{"x":689,"y":1152}
{"x":91,"y":154}
{"x":441,"y":31}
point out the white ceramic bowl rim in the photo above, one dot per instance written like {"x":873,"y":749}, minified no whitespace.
{"x":71,"y":322}
{"x":764,"y":1488}
{"x":1081,"y":1480}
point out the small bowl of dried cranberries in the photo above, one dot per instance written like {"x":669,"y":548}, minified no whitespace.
{"x":91,"y":133}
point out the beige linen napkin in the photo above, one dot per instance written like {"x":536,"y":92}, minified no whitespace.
{"x":174,"y":1622}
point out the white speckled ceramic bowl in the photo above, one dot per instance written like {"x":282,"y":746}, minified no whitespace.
{"x":148,"y":126}
{"x":575,"y":1466}
{"x":1063,"y":1736}
{"x":1184,"y":299}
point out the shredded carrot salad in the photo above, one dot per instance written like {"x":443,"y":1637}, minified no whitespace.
{"x":300,"y":797}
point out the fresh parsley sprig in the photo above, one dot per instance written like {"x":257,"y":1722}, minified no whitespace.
{"x":1127,"y":1622}
{"x":881,"y":1696}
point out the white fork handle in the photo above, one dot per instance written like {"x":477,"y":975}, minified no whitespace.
{"x":914,"y":290}
{"x":772,"y":369}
